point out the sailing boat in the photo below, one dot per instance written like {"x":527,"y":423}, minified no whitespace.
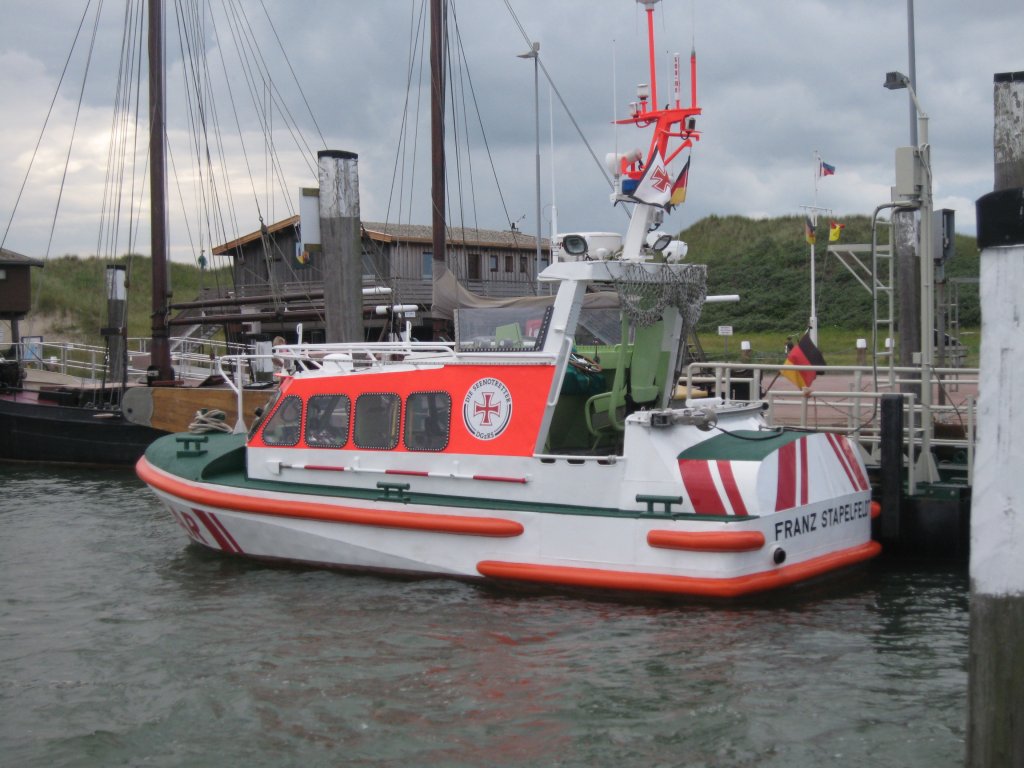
{"x":503,"y":457}
{"x":37,"y":424}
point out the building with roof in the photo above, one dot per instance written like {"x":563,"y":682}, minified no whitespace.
{"x":279,"y":280}
{"x":15,"y":290}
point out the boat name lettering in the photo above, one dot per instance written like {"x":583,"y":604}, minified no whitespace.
{"x":487,"y":408}
{"x":811,"y":522}
{"x":785,"y":529}
{"x":844,"y":513}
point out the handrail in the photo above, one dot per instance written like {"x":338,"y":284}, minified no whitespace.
{"x":859,"y":406}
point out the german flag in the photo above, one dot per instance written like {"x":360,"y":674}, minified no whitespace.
{"x":804,"y":353}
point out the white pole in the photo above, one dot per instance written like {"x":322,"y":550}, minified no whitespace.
{"x":813,"y":323}
{"x":995,"y":670}
{"x":554,"y":208}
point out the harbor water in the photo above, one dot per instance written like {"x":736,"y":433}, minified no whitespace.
{"x":123,"y":644}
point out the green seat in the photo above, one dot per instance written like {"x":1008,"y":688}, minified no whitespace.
{"x":508,"y":333}
{"x":607,"y":411}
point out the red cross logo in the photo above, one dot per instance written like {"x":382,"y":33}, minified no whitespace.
{"x":488,"y":409}
{"x":660,"y":180}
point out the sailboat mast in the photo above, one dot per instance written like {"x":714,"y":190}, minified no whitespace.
{"x":160,"y":354}
{"x":437,"y":94}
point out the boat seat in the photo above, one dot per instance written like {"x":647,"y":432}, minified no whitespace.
{"x":508,"y":333}
{"x":636,"y":383}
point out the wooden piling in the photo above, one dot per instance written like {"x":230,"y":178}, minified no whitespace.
{"x":995,"y":727}
{"x":891,"y":468}
{"x":341,"y":245}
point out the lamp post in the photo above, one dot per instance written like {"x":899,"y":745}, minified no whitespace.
{"x":921,"y":180}
{"x":534,"y":53}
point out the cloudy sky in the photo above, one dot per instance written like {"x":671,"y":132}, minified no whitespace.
{"x":778,"y":81}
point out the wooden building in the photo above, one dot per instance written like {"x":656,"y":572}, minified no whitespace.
{"x":279,"y":282}
{"x":15,"y":288}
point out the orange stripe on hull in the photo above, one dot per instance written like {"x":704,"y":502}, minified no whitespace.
{"x":684,"y":585}
{"x":707,"y":541}
{"x":416,"y":521}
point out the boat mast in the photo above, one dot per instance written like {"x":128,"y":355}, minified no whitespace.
{"x":160,"y":369}
{"x":437,"y":93}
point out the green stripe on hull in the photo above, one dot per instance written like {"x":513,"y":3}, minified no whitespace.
{"x":741,"y":445}
{"x":222,"y":462}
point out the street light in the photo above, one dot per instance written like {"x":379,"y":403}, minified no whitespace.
{"x":922,"y":170}
{"x":534,"y":53}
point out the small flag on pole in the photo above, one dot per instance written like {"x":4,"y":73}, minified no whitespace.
{"x":655,"y":187}
{"x":824,"y":169}
{"x":809,"y":230}
{"x":679,"y":188}
{"x":804,"y":353}
{"x":835,"y":229}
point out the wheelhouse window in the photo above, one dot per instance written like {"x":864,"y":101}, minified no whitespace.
{"x":376,"y":421}
{"x":285,"y":423}
{"x":327,"y":421}
{"x":428,"y":417}
{"x":518,"y":328}
{"x":262,"y":414}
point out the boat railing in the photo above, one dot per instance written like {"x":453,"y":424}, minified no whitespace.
{"x":77,"y":363}
{"x":311,"y":356}
{"x":943,"y":438}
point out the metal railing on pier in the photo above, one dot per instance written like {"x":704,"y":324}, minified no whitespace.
{"x":86,"y":364}
{"x":941,"y":436}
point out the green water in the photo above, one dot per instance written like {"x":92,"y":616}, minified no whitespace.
{"x":121,"y":644}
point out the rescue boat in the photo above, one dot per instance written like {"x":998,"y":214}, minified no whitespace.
{"x":506,"y":455}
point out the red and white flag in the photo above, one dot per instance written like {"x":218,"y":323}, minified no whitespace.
{"x":655,"y":187}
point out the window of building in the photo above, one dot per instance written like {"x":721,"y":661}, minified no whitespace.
{"x":369,"y":265}
{"x":524,"y":264}
{"x":494,"y":262}
{"x":428,"y":265}
{"x":285,"y":423}
{"x":376,"y":422}
{"x":327,"y":421}
{"x":473,"y":266}
{"x":510,"y":264}
{"x":428,"y":418}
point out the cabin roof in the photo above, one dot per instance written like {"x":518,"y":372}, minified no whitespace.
{"x":10,"y":259}
{"x":411,"y":233}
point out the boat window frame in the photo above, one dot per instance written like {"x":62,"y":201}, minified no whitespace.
{"x":409,"y":422}
{"x":394,"y":432}
{"x":308,"y":421}
{"x":263,"y":414}
{"x":279,"y":411}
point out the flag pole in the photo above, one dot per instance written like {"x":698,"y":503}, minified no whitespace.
{"x":814,"y":223}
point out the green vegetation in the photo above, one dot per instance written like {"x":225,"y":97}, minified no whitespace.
{"x":767,"y":262}
{"x":70,"y":293}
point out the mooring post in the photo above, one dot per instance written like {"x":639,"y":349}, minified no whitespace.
{"x":891,"y":468}
{"x":341,"y":245}
{"x":995,"y":727}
